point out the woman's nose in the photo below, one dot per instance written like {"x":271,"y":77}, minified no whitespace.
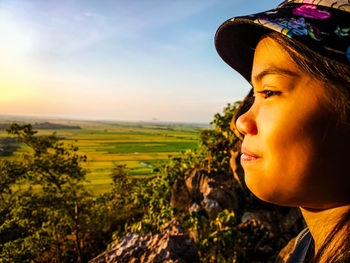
{"x":246,"y":124}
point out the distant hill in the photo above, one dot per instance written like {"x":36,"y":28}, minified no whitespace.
{"x":44,"y":126}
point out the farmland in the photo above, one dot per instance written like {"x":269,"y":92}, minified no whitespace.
{"x":140,"y":146}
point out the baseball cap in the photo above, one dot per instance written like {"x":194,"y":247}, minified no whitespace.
{"x":321,"y":25}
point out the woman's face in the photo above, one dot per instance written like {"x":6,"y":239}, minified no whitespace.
{"x":293,"y":152}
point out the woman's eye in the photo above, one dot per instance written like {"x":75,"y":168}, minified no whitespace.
{"x":269,"y":93}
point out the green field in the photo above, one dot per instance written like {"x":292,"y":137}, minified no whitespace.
{"x":141,"y":146}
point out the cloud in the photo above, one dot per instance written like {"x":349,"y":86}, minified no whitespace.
{"x":120,"y":59}
{"x":67,"y":27}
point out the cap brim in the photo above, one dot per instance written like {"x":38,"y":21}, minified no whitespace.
{"x":235,"y":42}
{"x":322,"y":28}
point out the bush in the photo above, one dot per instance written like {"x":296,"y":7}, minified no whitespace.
{"x":46,"y":214}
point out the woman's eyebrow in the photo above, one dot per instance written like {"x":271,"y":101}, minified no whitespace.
{"x":274,"y":71}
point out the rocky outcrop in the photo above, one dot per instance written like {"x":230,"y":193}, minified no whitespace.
{"x":264,"y":229}
{"x":169,"y":244}
{"x":256,"y":241}
{"x":263,"y":233}
{"x":201,"y":192}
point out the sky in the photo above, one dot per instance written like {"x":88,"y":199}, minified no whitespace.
{"x":138,"y":60}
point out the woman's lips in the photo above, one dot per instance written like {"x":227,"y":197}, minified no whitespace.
{"x":248,"y":156}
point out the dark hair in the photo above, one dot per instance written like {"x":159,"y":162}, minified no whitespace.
{"x":336,"y":78}
{"x":334,"y":75}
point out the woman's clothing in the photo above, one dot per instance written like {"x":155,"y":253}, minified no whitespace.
{"x":301,"y":250}
{"x":303,"y":247}
{"x":298,"y":250}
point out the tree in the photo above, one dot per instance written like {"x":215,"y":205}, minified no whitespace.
{"x":212,"y":154}
{"x":47,"y":215}
{"x":219,"y":141}
{"x":44,"y":202}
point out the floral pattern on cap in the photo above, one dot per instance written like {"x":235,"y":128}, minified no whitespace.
{"x":311,"y":11}
{"x":302,"y":18}
{"x":338,"y":4}
{"x":291,"y":26}
{"x":342,"y":32}
{"x":320,"y":25}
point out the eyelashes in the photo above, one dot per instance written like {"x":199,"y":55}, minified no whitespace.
{"x":269,"y":93}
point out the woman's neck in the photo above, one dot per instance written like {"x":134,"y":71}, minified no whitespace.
{"x":322,"y":222}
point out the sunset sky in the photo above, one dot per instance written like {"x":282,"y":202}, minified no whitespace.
{"x":117,"y":60}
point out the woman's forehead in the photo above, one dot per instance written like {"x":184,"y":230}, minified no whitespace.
{"x":271,"y":59}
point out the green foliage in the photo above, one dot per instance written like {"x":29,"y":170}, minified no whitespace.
{"x":46,"y":214}
{"x":122,"y":184}
{"x":153,"y":198}
{"x":213,"y":154}
{"x":219,"y":141}
{"x":149,"y":147}
{"x":44,"y":202}
{"x":119,"y":208}
{"x":222,"y":121}
{"x":216,"y":239}
{"x":8,"y":146}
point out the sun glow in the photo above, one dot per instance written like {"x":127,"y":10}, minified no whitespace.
{"x":16,"y":49}
{"x":82,"y":60}
{"x":15,"y":90}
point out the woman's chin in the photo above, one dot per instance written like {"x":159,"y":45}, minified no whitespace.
{"x":270,"y":195}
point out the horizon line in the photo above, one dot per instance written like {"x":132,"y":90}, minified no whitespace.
{"x":91,"y":119}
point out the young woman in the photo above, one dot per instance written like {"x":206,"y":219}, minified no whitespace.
{"x":296,"y":127}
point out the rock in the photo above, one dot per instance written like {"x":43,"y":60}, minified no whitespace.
{"x":180,"y":197}
{"x":195,"y":208}
{"x":264,"y":229}
{"x":211,"y":194}
{"x":291,"y":224}
{"x":263,"y":233}
{"x":257,"y":242}
{"x":211,"y":207}
{"x":264,"y":217}
{"x":169,"y":244}
{"x":236,"y":167}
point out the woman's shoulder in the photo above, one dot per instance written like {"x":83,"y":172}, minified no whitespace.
{"x":298,"y":250}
